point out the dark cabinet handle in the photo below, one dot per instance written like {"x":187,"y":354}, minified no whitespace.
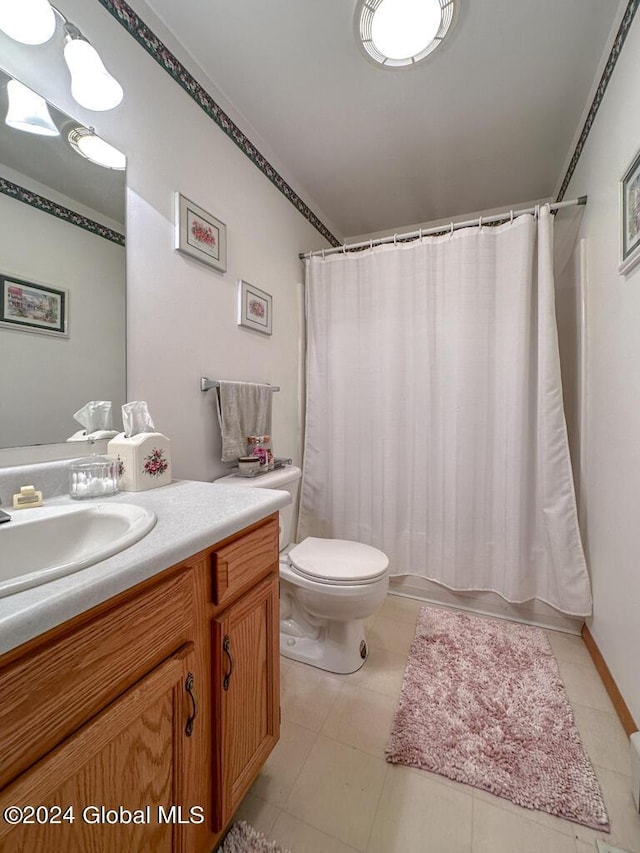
{"x":226,"y":643}
{"x":188,"y":686}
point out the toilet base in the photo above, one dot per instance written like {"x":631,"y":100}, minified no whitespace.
{"x":339,"y":647}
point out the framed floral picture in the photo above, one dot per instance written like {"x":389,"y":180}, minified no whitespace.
{"x":630,"y":216}
{"x":255,"y":308}
{"x":31,"y":307}
{"x":199,"y":234}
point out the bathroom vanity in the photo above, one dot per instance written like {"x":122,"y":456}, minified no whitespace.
{"x":139,"y":720}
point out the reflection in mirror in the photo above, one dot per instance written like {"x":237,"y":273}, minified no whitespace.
{"x":62,"y":279}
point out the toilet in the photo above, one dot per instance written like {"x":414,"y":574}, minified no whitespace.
{"x":328,"y":586}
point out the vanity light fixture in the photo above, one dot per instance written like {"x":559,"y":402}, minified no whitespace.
{"x":27,"y":21}
{"x":85,"y":142}
{"x":402,"y":33}
{"x":34,"y":22}
{"x":28,"y":111}
{"x":91,"y":84}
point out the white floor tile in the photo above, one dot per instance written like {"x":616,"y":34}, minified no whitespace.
{"x":417,"y":813}
{"x":604,"y":738}
{"x":556,"y":824}
{"x":260,"y":814}
{"x":327,"y":789}
{"x":361,"y":718}
{"x":281,"y":770}
{"x":383,"y":672}
{"x":391,"y":634}
{"x":299,"y":837}
{"x":496,"y":830}
{"x":401,"y":609}
{"x":625,"y":820}
{"x":337,"y":791}
{"x":569,"y":648}
{"x":584,"y":686}
{"x":307,"y":694}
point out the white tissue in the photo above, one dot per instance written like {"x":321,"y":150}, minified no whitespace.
{"x":95,"y":415}
{"x":136,"y":418}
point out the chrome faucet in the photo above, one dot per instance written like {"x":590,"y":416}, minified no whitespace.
{"x":4,"y":516}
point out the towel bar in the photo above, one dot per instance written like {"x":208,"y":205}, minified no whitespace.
{"x":208,"y":384}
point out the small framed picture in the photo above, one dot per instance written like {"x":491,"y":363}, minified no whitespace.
{"x":31,"y":307}
{"x":255,"y":308}
{"x":199,"y":234}
{"x":630,"y":216}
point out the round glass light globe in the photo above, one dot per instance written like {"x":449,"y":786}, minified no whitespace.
{"x":401,"y":29}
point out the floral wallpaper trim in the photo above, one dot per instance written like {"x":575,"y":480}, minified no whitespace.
{"x":136,"y":27}
{"x":623,"y":30}
{"x":19,"y":193}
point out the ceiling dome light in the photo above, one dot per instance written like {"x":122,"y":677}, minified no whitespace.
{"x":88,"y":145}
{"x":399,"y":33}
{"x":91,"y":84}
{"x":28,"y":111}
{"x":27,"y":21}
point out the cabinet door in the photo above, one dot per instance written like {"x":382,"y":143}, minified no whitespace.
{"x":246,"y":671}
{"x":129,"y":759}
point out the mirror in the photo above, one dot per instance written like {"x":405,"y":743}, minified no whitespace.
{"x":62,"y":279}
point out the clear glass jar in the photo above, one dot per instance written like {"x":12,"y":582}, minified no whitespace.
{"x":260,"y":446}
{"x":93,"y":477}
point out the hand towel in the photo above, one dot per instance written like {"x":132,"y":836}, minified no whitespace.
{"x":244,"y":408}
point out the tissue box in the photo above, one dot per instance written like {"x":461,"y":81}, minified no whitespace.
{"x":144,"y":460}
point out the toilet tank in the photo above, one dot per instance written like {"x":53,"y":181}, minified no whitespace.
{"x":285,"y":479}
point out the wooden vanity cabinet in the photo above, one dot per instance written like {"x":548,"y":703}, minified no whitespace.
{"x":140,"y":724}
{"x":245,"y":643}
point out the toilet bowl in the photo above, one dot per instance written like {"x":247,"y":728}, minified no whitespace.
{"x":328,"y":587}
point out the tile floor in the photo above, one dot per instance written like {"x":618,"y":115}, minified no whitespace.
{"x":327,"y":789}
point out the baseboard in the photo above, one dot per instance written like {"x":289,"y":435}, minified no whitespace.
{"x":610,"y":685}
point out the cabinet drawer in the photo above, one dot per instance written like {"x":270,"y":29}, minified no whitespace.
{"x":49,"y":692}
{"x":240,"y":564}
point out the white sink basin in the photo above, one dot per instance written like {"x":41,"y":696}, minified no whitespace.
{"x":44,"y":543}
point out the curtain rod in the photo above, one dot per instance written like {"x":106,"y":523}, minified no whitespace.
{"x":440,"y":229}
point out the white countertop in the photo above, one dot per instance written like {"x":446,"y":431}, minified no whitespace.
{"x":191,"y":516}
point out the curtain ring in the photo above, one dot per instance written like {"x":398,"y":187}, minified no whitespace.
{"x":451,"y":231}
{"x":395,"y":239}
{"x":371,"y":244}
{"x":511,"y":218}
{"x":420,"y":238}
{"x":323,"y":254}
{"x":480,"y":222}
{"x":344,"y":248}
{"x":536,"y":213}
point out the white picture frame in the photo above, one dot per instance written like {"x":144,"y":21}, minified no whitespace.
{"x":200,"y":234}
{"x":630,"y":216}
{"x":255,"y":308}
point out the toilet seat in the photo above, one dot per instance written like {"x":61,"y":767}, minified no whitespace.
{"x":337,"y":561}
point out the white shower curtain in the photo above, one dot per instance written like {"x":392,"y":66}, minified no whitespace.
{"x":435,"y":428}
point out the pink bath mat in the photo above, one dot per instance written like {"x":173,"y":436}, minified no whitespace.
{"x":482,"y":702}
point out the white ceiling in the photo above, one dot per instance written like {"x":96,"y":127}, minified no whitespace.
{"x":487,"y":121}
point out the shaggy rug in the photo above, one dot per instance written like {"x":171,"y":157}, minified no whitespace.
{"x":243,"y":838}
{"x":483,"y":703}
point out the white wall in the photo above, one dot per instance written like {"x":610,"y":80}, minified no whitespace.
{"x":611,"y":429}
{"x":181,"y":314}
{"x":45,"y":378}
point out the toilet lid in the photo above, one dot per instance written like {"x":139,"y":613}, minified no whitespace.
{"x":338,"y":560}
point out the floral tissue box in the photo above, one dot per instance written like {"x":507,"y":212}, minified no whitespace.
{"x":144,"y":460}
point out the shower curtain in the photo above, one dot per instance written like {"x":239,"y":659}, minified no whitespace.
{"x":435,"y":428}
